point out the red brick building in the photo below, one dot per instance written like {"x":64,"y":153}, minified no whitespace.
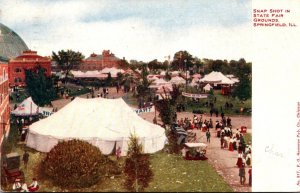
{"x":98,"y":62}
{"x":4,"y":102}
{"x":28,"y":60}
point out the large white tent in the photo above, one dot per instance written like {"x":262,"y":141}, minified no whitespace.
{"x":216,"y":78}
{"x":26,"y":108}
{"x":105,"y":123}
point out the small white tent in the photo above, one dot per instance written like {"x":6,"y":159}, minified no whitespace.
{"x":207,"y":87}
{"x":26,"y":108}
{"x":105,"y":123}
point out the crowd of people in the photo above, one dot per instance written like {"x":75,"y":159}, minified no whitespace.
{"x":196,"y":123}
{"x":234,"y":141}
{"x":230,"y":139}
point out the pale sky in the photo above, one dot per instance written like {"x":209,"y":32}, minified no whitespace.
{"x":134,"y":29}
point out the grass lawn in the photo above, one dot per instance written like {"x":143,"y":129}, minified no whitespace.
{"x":220,"y":102}
{"x":171,"y":174}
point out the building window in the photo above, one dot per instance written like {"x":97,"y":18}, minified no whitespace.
{"x":18,"y":70}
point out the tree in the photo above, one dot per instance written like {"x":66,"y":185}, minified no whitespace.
{"x":166,"y":111}
{"x":178,"y":62}
{"x":243,"y":90}
{"x":108,"y":80}
{"x":168,"y":76}
{"x":67,"y":60}
{"x":143,"y":87}
{"x":39,"y":86}
{"x":138,"y":173}
{"x":123,"y":64}
{"x":166,"y":106}
{"x":119,"y":78}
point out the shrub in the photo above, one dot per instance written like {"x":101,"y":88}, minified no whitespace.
{"x":138,"y":173}
{"x":74,"y":164}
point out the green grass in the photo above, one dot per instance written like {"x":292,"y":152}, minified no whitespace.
{"x":171,"y":174}
{"x":220,"y":102}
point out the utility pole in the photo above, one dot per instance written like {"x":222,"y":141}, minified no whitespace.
{"x":185,"y":75}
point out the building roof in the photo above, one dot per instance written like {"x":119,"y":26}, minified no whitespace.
{"x":11,"y":44}
{"x":96,"y":57}
{"x":30,"y":55}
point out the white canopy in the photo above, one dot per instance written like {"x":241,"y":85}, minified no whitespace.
{"x":105,"y":123}
{"x":26,"y":108}
{"x":89,"y":74}
{"x":177,"y":80}
{"x":216,"y":77}
{"x":162,"y":88}
{"x":207,"y":87}
{"x":113,"y":71}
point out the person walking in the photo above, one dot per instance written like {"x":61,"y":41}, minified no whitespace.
{"x":242,"y":174}
{"x":25,"y":158}
{"x":208,"y":136}
{"x":250,"y":176}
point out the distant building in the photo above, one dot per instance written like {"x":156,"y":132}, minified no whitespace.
{"x":4,"y":102}
{"x":98,"y":62}
{"x":28,"y":60}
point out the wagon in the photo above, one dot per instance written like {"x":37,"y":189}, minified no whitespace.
{"x":10,"y":168}
{"x":195,"y":151}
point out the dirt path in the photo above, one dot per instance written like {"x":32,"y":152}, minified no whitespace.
{"x":221,"y":159}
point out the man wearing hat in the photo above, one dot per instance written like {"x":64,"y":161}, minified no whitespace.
{"x":17,"y":184}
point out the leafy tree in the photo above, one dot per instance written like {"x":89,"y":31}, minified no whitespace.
{"x":165,"y":65}
{"x":168,"y":76}
{"x":178,"y":62}
{"x":119,"y":78}
{"x":175,"y":94}
{"x":138,"y":173}
{"x":67,"y":60}
{"x":108,"y":80}
{"x":123,"y":64}
{"x":166,"y":107}
{"x":39,"y":86}
{"x":243,"y":90}
{"x":143,"y":87}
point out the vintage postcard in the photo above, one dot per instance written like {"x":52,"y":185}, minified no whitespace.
{"x":149,"y":96}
